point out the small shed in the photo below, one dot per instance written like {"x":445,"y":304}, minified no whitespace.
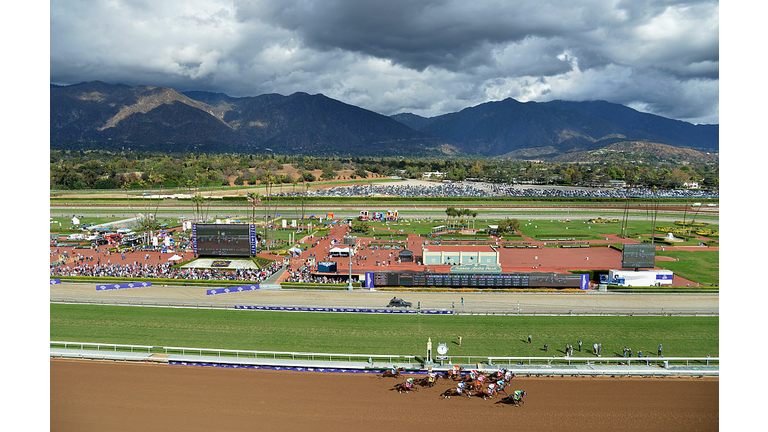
{"x":406,"y":256}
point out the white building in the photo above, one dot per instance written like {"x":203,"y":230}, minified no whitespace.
{"x":640,"y":277}
{"x":432,"y":175}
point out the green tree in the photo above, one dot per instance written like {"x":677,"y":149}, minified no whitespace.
{"x":328,"y":173}
{"x":509,"y":225}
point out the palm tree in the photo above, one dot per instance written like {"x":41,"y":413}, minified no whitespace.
{"x":254,"y":199}
{"x":450,"y":212}
{"x":198,"y":201}
{"x":268,"y":180}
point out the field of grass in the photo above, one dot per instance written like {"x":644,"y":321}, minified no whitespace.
{"x":557,"y":227}
{"x":380,"y":334}
{"x":700,"y":266}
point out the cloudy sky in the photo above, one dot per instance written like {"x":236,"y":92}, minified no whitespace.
{"x":425,"y":57}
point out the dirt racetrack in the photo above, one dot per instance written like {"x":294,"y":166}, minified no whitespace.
{"x":90,"y":395}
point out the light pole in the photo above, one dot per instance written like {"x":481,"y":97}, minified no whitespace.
{"x":350,"y":241}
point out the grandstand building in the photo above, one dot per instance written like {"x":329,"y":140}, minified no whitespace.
{"x":459,"y":255}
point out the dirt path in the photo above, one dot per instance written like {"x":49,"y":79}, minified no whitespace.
{"x":116,"y":396}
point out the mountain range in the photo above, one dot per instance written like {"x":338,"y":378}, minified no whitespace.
{"x":114,"y":117}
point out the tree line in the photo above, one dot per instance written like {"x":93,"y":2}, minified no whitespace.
{"x":97,"y":169}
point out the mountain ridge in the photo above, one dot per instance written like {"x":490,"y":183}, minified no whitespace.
{"x":160,"y":118}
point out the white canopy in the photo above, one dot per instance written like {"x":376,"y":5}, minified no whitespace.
{"x":339,"y":251}
{"x":174,"y":258}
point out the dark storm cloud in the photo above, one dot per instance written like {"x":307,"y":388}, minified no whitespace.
{"x":419,"y":34}
{"x":427,"y":57}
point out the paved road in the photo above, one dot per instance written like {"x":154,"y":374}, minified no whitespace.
{"x":539,"y":303}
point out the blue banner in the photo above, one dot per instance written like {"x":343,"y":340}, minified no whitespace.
{"x":194,"y":238}
{"x":228,"y":290}
{"x":55,"y":281}
{"x":369,"y":279}
{"x":348,"y":310}
{"x":252,"y":237}
{"x":123,"y":286}
{"x":585,"y":281}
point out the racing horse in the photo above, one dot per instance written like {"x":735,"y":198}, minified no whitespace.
{"x":515,"y":398}
{"x":393,"y":372}
{"x":454,"y":373}
{"x":474,"y":385}
{"x":483,"y":393}
{"x":501,"y":376}
{"x":453,"y":391}
{"x":427,"y":381}
{"x":403,"y":387}
{"x":500,"y":386}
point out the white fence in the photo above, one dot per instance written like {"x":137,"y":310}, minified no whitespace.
{"x":234,"y":354}
{"x":606,"y":361}
{"x":370,"y":359}
{"x":95,"y":346}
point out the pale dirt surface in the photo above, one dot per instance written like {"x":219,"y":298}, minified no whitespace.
{"x":559,"y":302}
{"x":89,"y":395}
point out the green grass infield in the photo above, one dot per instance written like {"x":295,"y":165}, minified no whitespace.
{"x":382,"y":333}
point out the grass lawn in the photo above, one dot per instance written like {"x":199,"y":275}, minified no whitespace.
{"x":701,"y":266}
{"x":559,"y":226}
{"x":380,"y":334}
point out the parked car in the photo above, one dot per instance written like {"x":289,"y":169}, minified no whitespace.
{"x":399,"y":302}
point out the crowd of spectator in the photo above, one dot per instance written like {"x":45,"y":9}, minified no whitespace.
{"x":305,"y":276}
{"x":164,"y":270}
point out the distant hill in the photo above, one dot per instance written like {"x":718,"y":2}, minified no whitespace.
{"x":509,"y":128}
{"x":639,"y":152}
{"x":100,"y":115}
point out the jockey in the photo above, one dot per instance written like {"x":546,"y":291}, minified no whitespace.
{"x":409,"y":383}
{"x":491,"y":388}
{"x":460,"y":387}
{"x":519,"y":394}
{"x":432,"y":377}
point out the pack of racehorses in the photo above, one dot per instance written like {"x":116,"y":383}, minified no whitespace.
{"x":468,"y":384}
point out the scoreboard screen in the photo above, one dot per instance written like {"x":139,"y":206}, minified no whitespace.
{"x":504,"y":280}
{"x":223,"y":239}
{"x":638,"y":256}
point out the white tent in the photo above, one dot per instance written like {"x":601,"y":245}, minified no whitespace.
{"x":174,"y":258}
{"x":337,"y":251}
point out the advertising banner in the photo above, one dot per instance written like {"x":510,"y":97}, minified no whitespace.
{"x":252,"y":237}
{"x":348,"y":310}
{"x":123,"y":286}
{"x":228,"y":290}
